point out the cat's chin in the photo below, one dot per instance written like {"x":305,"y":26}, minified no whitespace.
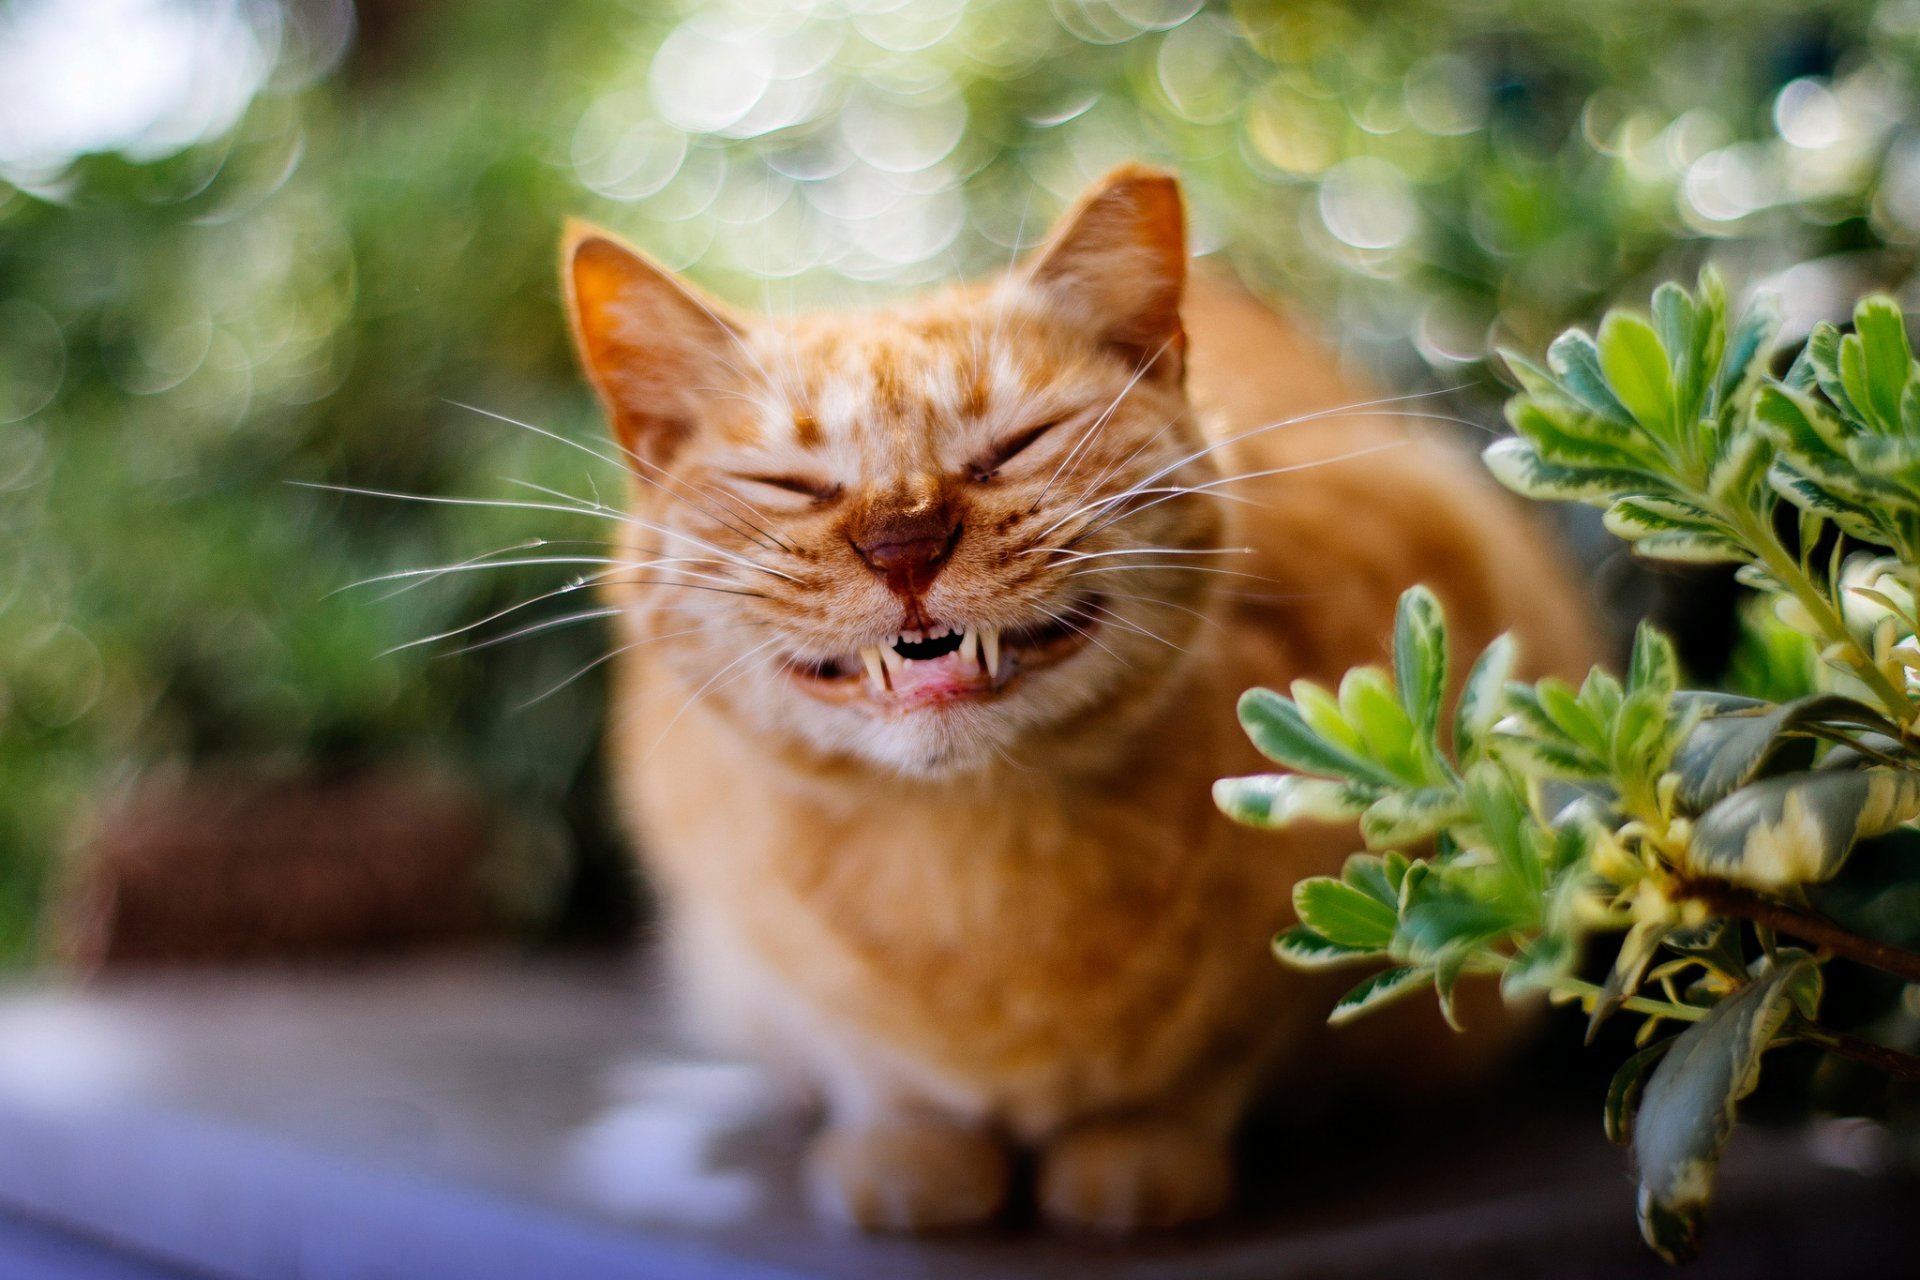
{"x":921,"y":672}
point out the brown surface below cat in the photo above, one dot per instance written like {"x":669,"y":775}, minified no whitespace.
{"x":936,"y":617}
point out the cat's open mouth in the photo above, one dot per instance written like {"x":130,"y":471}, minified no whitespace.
{"x":945,"y":663}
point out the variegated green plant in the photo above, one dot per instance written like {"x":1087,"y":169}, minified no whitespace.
{"x":1505,"y":833}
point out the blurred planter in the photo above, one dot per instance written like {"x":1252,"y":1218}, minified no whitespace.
{"x":249,"y":863}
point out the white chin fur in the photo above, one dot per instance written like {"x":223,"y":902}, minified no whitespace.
{"x":960,"y":738}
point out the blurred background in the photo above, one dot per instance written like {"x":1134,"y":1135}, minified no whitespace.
{"x":253,"y":246}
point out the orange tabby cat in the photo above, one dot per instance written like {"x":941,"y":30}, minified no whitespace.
{"x":936,"y":617}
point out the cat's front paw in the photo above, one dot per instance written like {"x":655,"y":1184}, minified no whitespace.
{"x":1134,"y":1174}
{"x":908,"y":1175}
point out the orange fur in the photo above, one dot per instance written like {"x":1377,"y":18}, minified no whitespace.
{"x":1013,"y":919}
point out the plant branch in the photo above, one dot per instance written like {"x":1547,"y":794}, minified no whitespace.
{"x":1731,"y":900}
{"x":1878,"y":1056}
{"x":1589,"y":991}
{"x":1760,"y":540}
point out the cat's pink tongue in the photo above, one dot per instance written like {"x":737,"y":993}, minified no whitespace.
{"x":937,"y":679}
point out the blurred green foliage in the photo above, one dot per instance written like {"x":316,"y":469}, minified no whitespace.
{"x":298,"y":297}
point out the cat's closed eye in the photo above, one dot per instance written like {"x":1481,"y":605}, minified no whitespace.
{"x":985,"y":466}
{"x":822,"y":491}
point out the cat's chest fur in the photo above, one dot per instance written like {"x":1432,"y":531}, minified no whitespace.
{"x":1028,"y":943}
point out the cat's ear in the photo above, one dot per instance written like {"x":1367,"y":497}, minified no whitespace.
{"x":1119,"y":258}
{"x":652,"y":346}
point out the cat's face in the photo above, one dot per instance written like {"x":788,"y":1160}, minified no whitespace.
{"x":902,"y":535}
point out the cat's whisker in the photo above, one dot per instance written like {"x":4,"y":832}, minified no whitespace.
{"x":1073,"y":557}
{"x":629,"y":454}
{"x":581,"y":583}
{"x":760,"y":648}
{"x":1208,"y":619}
{"x":1269,"y":597}
{"x":734,"y":500}
{"x":535,"y":628}
{"x":1114,"y":618}
{"x":665,"y":531}
{"x":665,"y":562}
{"x":618,"y":650}
{"x":1145,"y":485}
{"x":1120,"y":465}
{"x":1207,"y":489}
{"x":600,"y":507}
{"x":1356,"y":409}
{"x":1093,"y":427}
{"x":451,"y":501}
{"x":1087,"y":635}
{"x":1181,"y":568}
{"x":1103,"y":521}
{"x":1359,"y":407}
{"x":525,"y":544}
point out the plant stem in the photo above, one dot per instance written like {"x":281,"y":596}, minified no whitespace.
{"x":1731,"y":900}
{"x":1639,"y":1004}
{"x":1878,"y":1056}
{"x":1783,"y":567}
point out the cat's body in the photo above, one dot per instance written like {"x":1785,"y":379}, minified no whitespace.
{"x":975,"y":914}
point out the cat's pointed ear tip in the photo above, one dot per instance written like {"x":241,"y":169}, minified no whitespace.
{"x":577,"y":233}
{"x":1137,"y":179}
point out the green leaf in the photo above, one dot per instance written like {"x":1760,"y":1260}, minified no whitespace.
{"x":1712,"y":702}
{"x":1638,"y":371}
{"x":1570,"y":717}
{"x":1395,"y":867}
{"x":1637,"y":950}
{"x":1639,"y":516}
{"x":1623,"y":1092}
{"x":1482,"y":698}
{"x":1367,"y":701}
{"x":1546,"y":759}
{"x":1368,"y":873}
{"x":1750,"y":347}
{"x":1302,"y":948}
{"x":1343,"y":914}
{"x":1673,"y":319}
{"x":1500,"y":811}
{"x":1516,"y":464}
{"x":1322,"y":714}
{"x":1800,"y":375}
{"x":1420,"y":657}
{"x":1815,"y":498}
{"x":1885,"y":359}
{"x":1403,"y":817}
{"x":1568,"y":436}
{"x":1535,"y":382}
{"x":1740,"y":466}
{"x":1798,"y":828}
{"x":1643,"y":736}
{"x":1891,"y":464}
{"x":1690,"y":548}
{"x":1653,"y":665}
{"x":1600,"y":694}
{"x":1280,"y":799}
{"x":1823,"y":358}
{"x":1726,"y":751}
{"x":1283,"y":736}
{"x":1539,"y":965}
{"x":1382,"y":988}
{"x":1442,"y":921}
{"x":1799,"y":423}
{"x":1577,"y":362}
{"x":1687,"y":1106}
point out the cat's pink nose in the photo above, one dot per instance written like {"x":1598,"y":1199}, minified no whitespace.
{"x":907,"y":548}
